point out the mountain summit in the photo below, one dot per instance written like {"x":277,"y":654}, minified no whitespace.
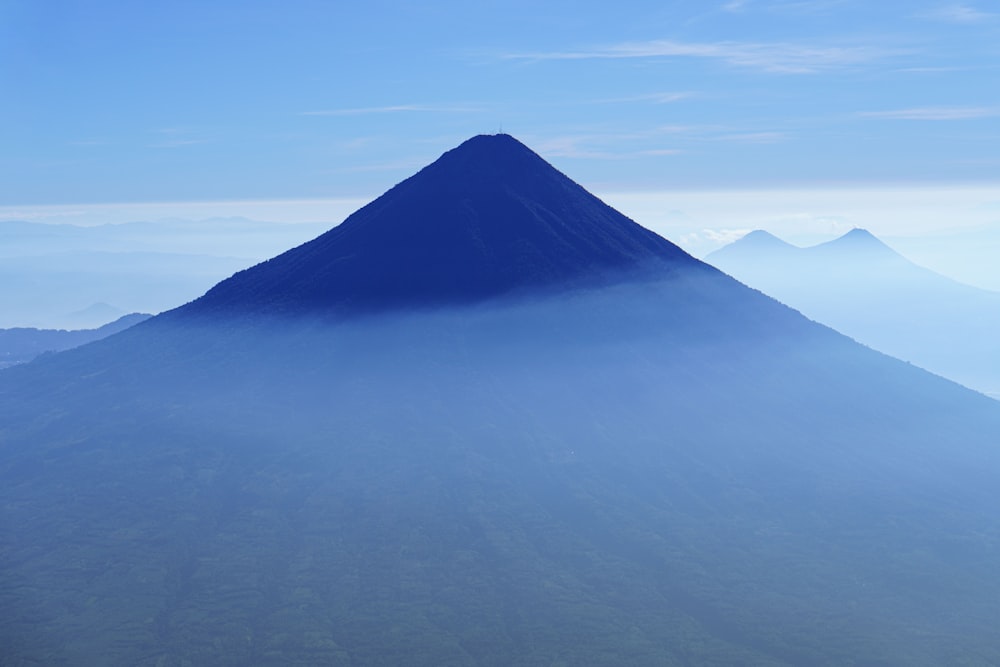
{"x":757,"y":241}
{"x":487,"y":218}
{"x":676,"y":470}
{"x":859,"y":244}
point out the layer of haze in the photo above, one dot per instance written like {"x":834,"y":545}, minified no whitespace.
{"x":954,"y":230}
{"x":648,"y":474}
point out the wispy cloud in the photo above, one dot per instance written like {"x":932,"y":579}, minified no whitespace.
{"x":960,"y":13}
{"x":654,"y":98}
{"x":928,"y":70}
{"x":395,"y":165}
{"x":660,"y":151}
{"x":571,"y":146}
{"x":178,"y":143}
{"x":807,"y":6}
{"x":779,"y":57}
{"x":752,"y":137}
{"x":395,"y":108}
{"x":935,"y":113}
{"x":176,"y":137}
{"x":725,"y":236}
{"x":600,"y":144}
{"x":783,"y":7}
{"x":592,"y":146}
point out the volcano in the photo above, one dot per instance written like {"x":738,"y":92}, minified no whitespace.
{"x":486,"y":219}
{"x":487,"y":420}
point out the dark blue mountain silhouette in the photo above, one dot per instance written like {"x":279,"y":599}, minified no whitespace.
{"x":589,"y":470}
{"x":488,"y":218}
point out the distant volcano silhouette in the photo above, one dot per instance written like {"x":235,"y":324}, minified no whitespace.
{"x":489,"y":217}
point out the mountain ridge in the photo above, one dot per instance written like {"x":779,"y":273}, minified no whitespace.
{"x":22,"y":344}
{"x":856,"y":241}
{"x":862,"y":287}
{"x":451,"y":234}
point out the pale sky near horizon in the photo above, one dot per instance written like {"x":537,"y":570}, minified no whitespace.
{"x":697,"y":118}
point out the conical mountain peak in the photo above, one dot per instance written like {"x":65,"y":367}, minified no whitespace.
{"x":858,"y":241}
{"x":763,"y":239}
{"x":860,"y":235}
{"x":488,"y":218}
{"x":754,"y":244}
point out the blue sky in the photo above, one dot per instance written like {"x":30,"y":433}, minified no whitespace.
{"x":181,"y":101}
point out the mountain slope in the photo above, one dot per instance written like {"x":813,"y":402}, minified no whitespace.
{"x":486,"y":219}
{"x":593,"y":471}
{"x":20,"y":345}
{"x":861,"y":287}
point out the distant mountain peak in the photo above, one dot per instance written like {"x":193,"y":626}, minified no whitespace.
{"x":856,"y":241}
{"x":487,"y":218}
{"x":859,"y":232}
{"x":756,"y":243}
{"x":860,"y":235}
{"x":763,"y":238}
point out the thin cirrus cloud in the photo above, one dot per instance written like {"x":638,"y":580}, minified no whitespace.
{"x":178,"y":143}
{"x":611,"y":146}
{"x":960,"y":13}
{"x":176,"y":137}
{"x":935,"y":113}
{"x":395,"y":165}
{"x":753,"y":137}
{"x":595,"y":147}
{"x":653,"y":98}
{"x":784,"y":7}
{"x":785,"y":58}
{"x":395,"y":108}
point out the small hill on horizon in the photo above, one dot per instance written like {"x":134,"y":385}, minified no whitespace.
{"x":863,"y":288}
{"x":22,"y":344}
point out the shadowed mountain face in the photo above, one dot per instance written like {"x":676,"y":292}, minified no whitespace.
{"x":863,"y":288}
{"x":592,"y":470}
{"x":486,"y":219}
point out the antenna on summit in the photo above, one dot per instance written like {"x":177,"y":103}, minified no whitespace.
{"x":501,"y":128}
